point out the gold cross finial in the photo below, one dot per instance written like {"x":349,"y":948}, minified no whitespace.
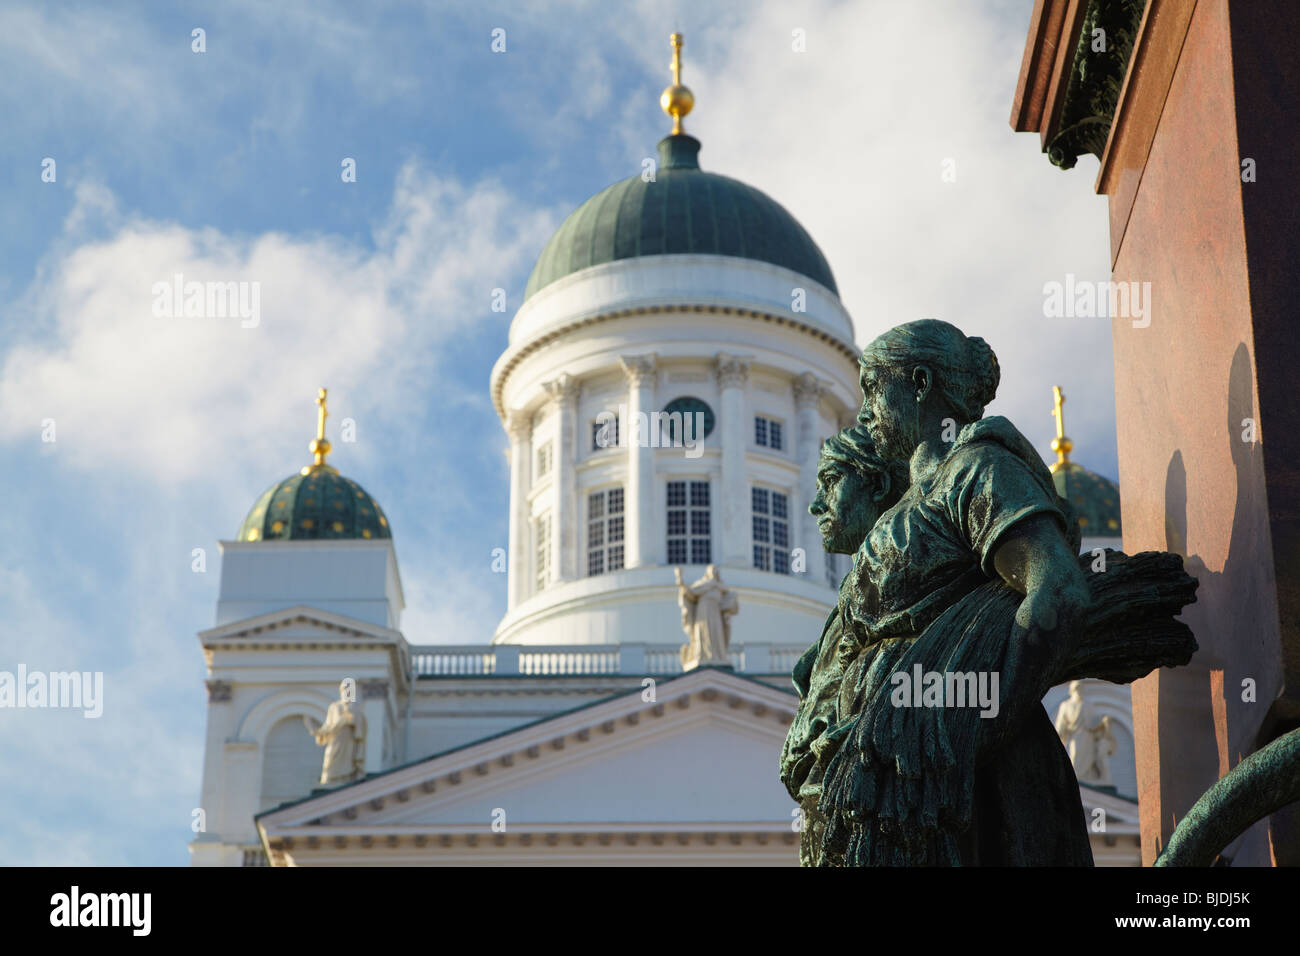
{"x":677,"y":100}
{"x":320,"y":446}
{"x":1060,"y":444}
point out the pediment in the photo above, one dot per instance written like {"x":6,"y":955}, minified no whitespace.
{"x":299,"y":624}
{"x":701,"y":756}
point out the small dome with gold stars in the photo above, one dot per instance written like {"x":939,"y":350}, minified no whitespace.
{"x":1095,"y":499}
{"x":316,"y":503}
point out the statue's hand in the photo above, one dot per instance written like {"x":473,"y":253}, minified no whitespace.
{"x":1048,"y":625}
{"x":1035,"y":561}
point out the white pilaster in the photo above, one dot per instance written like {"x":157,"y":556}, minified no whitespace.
{"x":241,"y":774}
{"x":520,"y":428}
{"x":222,"y":726}
{"x":732,"y":499}
{"x":808,"y":392}
{"x":374,"y":704}
{"x":564,"y":392}
{"x":639,"y":502}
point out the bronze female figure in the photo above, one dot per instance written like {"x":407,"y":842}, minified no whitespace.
{"x":967,"y":601}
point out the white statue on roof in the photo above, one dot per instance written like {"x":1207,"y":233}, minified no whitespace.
{"x":707,"y":607}
{"x":1089,"y":738}
{"x":343,"y":735}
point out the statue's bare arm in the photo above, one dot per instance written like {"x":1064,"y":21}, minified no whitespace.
{"x":1034,"y":559}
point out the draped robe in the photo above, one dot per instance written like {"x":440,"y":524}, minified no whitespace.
{"x":938,"y":786}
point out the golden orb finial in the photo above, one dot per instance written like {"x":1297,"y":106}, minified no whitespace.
{"x":677,"y":100}
{"x":320,"y":446}
{"x":1060,"y":444}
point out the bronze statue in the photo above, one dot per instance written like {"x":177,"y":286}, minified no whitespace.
{"x":921,"y":738}
{"x":854,"y":487}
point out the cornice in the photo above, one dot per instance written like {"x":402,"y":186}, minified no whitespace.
{"x":512,"y":358}
{"x":540,"y":837}
{"x":1075,"y":62}
{"x":260,"y":634}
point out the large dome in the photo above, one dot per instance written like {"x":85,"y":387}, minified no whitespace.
{"x":683,"y":210}
{"x":318,"y":502}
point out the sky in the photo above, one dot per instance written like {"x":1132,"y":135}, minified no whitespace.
{"x":134,"y":439}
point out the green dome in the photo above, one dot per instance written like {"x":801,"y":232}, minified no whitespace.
{"x":316,"y":503}
{"x":1095,"y":499}
{"x":684,"y":210}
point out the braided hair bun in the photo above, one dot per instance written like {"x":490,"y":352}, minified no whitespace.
{"x":966,"y":367}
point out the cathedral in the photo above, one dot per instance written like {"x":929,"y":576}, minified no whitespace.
{"x":680,"y":355}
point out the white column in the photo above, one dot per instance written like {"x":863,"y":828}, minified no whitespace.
{"x":565,"y":537}
{"x":732,"y":499}
{"x":808,"y":394}
{"x":520,"y":428}
{"x":639,"y":497}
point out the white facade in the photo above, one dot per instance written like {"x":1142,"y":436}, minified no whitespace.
{"x":626,"y":339}
{"x":630,"y":781}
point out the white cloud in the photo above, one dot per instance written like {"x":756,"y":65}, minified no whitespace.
{"x":851,"y":137}
{"x":166,"y":398}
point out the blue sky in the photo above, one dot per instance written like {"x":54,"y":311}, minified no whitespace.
{"x":226,"y":165}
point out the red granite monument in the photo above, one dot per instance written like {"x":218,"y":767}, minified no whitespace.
{"x":1192,"y":108}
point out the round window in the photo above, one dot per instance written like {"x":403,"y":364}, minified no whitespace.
{"x":688,"y":407}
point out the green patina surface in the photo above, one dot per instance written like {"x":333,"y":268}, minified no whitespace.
{"x":970,"y":568}
{"x":1096,"y":77}
{"x":1262,"y":783}
{"x":319,"y":505}
{"x":683,"y":210}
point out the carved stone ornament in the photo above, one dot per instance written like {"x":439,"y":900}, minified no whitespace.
{"x":519,"y":426}
{"x":640,"y":369}
{"x":808,"y":391}
{"x":563,"y":389}
{"x":732,"y":371}
{"x":1100,"y":63}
